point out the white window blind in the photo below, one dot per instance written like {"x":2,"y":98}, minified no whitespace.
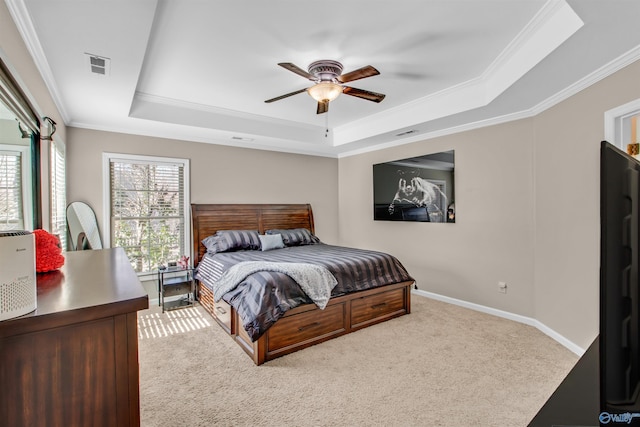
{"x":58,"y":192}
{"x":11,"y":212}
{"x":148,"y":206}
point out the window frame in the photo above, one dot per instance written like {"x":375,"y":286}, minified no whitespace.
{"x":25,"y":182}
{"x":614,"y":121}
{"x":57,"y":149}
{"x":21,"y":104}
{"x":107,"y":158}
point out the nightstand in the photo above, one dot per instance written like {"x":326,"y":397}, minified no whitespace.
{"x":174,"y":281}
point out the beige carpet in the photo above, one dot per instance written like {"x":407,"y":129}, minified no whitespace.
{"x":442,"y":365}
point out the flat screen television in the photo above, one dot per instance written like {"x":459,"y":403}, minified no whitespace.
{"x":619,"y":287}
{"x":418,"y":189}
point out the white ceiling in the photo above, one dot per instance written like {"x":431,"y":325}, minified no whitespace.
{"x":201,"y":70}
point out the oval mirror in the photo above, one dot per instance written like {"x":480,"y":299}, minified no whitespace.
{"x":83,"y":227}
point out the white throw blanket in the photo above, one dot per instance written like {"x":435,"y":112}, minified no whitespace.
{"x":316,"y":281}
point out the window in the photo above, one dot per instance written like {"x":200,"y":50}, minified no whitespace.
{"x":14,"y":188}
{"x":19,"y":133}
{"x":438,"y":209}
{"x":58,"y":196}
{"x":621,"y":125}
{"x":148,"y":208}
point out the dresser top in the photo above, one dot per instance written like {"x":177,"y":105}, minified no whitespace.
{"x":91,"y":284}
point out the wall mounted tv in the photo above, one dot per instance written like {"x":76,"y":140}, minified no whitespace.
{"x":415,"y":189}
{"x":619,"y":286}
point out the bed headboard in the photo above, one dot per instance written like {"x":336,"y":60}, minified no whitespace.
{"x":207,"y":219}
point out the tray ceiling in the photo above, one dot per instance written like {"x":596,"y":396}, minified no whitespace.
{"x":200,"y":71}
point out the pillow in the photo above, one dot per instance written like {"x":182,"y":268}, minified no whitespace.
{"x":296,"y":236}
{"x":271,"y":241}
{"x":232,"y":240}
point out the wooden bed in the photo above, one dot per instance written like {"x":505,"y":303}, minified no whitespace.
{"x":302,"y":326}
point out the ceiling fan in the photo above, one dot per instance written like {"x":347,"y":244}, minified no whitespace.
{"x":329,"y":82}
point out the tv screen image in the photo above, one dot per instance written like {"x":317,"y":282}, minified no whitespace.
{"x":418,"y":189}
{"x":619,"y":287}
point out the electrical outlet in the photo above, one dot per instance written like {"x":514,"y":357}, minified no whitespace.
{"x":502,"y":287}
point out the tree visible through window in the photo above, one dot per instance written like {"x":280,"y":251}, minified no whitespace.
{"x":148,"y":210}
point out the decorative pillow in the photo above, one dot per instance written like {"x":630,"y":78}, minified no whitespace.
{"x":232,"y":240}
{"x":296,"y":236}
{"x":271,"y":241}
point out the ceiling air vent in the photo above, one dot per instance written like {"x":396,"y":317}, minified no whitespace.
{"x":409,"y":132}
{"x":98,"y":64}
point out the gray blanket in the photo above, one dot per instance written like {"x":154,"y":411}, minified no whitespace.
{"x":316,"y":281}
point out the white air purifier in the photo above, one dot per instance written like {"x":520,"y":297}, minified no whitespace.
{"x":18,"y":291}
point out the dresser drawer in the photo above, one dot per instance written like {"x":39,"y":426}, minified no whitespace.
{"x":307,"y":327}
{"x":379,"y":306}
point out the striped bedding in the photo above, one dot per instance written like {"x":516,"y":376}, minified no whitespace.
{"x":264,"y":297}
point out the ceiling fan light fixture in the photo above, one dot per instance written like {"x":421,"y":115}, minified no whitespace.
{"x":325,"y":91}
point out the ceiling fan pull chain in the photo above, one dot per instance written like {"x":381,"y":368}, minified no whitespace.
{"x":326,"y":125}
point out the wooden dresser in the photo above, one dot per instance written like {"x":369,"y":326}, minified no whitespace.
{"x":74,"y":361}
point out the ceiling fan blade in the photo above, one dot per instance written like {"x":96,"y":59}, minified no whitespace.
{"x":295,"y":69}
{"x":323,"y":107}
{"x":364,"y":94}
{"x":360,"y":73}
{"x":278,"y":98}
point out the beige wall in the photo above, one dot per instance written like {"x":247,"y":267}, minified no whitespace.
{"x":527,"y":212}
{"x":492,"y":239}
{"x":219,"y":174}
{"x":567,"y":183}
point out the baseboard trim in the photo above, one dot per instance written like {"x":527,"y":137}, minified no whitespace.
{"x":571,"y":346}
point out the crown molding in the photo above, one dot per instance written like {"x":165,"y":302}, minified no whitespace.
{"x":22,"y":19}
{"x":476,"y":92}
{"x":612,"y":67}
{"x":606,"y":70}
{"x":442,"y":132}
{"x":200,"y":135}
{"x":210,"y":109}
{"x":553,"y":25}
